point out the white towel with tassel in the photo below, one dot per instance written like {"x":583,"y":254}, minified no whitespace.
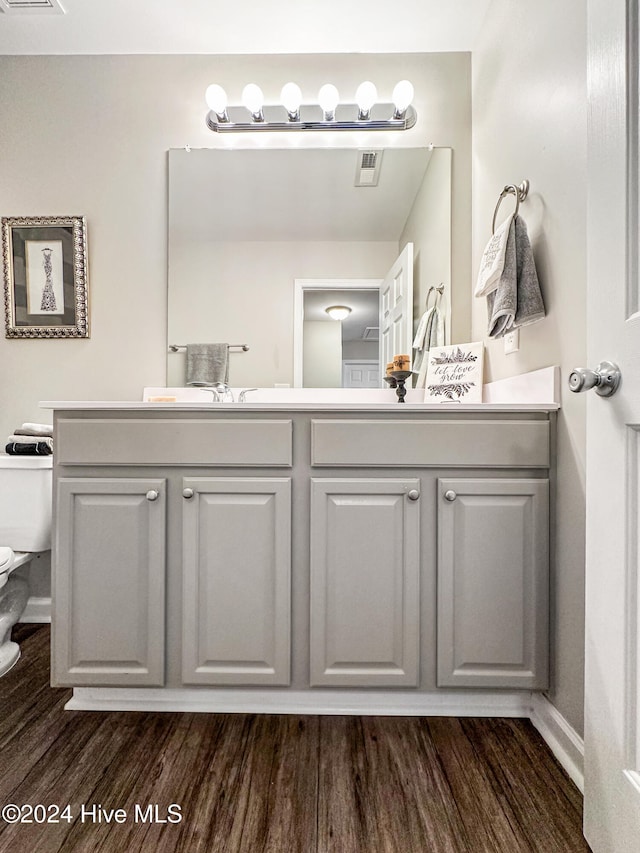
{"x":493,"y":259}
{"x":430,"y":333}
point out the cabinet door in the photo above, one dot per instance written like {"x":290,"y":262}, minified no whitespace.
{"x":493,"y":579}
{"x":109,"y":582}
{"x":236,"y":580}
{"x":365,"y":582}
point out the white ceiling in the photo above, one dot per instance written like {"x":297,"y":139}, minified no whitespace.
{"x":245,"y":26}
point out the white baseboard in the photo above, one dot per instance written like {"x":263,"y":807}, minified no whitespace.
{"x":365,"y":702}
{"x":37,"y":610}
{"x":563,"y":741}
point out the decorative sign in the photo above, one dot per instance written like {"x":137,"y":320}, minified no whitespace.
{"x":454,"y":374}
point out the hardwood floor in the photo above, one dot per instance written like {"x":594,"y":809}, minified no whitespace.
{"x":282,"y":784}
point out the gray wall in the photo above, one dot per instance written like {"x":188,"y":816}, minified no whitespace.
{"x":529,"y":121}
{"x":89,"y":135}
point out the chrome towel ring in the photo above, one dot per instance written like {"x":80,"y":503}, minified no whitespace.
{"x":520,"y":192}
{"x":439,"y":290}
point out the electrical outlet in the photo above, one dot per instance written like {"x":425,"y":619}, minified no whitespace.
{"x":512,"y":341}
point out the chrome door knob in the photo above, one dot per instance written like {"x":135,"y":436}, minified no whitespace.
{"x":152,"y":495}
{"x":188,"y":493}
{"x":413,"y":495}
{"x":605,"y":379}
{"x":450,"y":495}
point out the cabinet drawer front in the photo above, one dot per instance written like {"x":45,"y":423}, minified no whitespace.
{"x":450,"y":443}
{"x":173,"y":441}
{"x":365,"y":551}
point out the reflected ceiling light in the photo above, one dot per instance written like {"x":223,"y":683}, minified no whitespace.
{"x":338,"y":312}
{"x":327,"y":114}
{"x":366,"y":96}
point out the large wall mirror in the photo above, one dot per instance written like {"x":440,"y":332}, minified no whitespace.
{"x":246,"y":224}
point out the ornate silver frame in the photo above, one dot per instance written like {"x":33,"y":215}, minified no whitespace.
{"x":71,"y":231}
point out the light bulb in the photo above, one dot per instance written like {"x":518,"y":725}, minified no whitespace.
{"x":338,"y":312}
{"x":253,"y":99}
{"x":402,"y":96}
{"x":216,"y":99}
{"x":366,"y":96}
{"x":291,"y":98}
{"x":328,"y":98}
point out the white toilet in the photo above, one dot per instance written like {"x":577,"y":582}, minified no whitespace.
{"x":25,"y":530}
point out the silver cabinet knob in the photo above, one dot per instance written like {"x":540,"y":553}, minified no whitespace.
{"x":413,"y":495}
{"x":152,"y":495}
{"x":605,"y":379}
{"x":188,"y":493}
{"x":450,"y":495}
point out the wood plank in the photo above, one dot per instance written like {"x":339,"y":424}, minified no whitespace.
{"x":486,"y":825}
{"x":215,"y":797}
{"x":524,"y":773}
{"x":282,"y":776}
{"x":379,"y":791}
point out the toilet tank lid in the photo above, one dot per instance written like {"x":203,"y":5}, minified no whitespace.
{"x":7,"y":461}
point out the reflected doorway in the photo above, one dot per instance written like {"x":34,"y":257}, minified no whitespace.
{"x":337,"y":353}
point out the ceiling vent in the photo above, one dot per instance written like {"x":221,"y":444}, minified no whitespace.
{"x":368,"y":167}
{"x":42,"y":7}
{"x":371,"y":333}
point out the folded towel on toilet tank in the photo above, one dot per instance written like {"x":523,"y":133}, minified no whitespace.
{"x":33,"y":448}
{"x":30,"y":439}
{"x":45,"y":430}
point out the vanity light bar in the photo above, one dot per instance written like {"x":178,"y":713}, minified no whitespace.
{"x":366,"y":114}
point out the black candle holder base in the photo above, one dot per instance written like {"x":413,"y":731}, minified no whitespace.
{"x":401,"y":377}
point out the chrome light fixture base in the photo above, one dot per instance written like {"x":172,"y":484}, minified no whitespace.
{"x":312,"y":117}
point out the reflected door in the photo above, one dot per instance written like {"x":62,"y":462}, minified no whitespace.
{"x":360,"y":374}
{"x":396,"y":308}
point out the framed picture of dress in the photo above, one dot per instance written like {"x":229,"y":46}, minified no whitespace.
{"x":454,"y":374}
{"x":45,"y":277}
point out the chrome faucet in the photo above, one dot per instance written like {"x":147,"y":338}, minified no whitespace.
{"x":243,"y":394}
{"x":222,"y":393}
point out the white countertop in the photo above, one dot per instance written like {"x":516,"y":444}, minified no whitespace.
{"x":128,"y":405}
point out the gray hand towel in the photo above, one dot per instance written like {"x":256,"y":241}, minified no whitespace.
{"x":517,"y":301}
{"x":207,"y":364}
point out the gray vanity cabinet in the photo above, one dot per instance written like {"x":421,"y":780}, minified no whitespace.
{"x":493,"y":581}
{"x":365,"y":553}
{"x":237,"y":548}
{"x":236,"y":568}
{"x":109,"y":581}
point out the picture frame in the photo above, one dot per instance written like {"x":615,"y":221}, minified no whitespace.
{"x":45,"y":276}
{"x":454,"y":374}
